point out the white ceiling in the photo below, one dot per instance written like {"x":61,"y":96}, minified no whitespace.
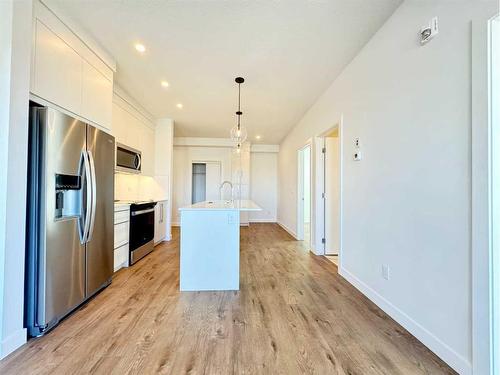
{"x":289,"y":52}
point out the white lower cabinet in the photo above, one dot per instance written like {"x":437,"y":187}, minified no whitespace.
{"x":160,"y":221}
{"x":121,"y":257}
{"x":122,"y":228}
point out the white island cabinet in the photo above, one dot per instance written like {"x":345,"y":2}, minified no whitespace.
{"x":210,"y":245}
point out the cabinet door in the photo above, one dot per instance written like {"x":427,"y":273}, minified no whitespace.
{"x":58,"y":70}
{"x":147,"y":149}
{"x":133,"y":133}
{"x":157,"y":223}
{"x":160,"y":221}
{"x":97,"y":96}
{"x":163,"y":228}
{"x":119,"y":124}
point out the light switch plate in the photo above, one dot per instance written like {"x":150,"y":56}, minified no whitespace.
{"x":385,"y":271}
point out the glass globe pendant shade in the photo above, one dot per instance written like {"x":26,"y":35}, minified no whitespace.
{"x":238,"y":133}
{"x":237,"y":149}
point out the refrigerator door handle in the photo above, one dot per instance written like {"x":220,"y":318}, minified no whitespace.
{"x":94,"y":197}
{"x":88,"y":188}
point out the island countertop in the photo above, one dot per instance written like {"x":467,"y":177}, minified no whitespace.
{"x":240,"y":205}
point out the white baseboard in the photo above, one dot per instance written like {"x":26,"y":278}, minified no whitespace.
{"x":11,"y":343}
{"x":290,"y":232}
{"x":443,"y":351}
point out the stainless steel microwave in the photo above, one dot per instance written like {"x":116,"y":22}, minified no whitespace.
{"x":128,"y":159}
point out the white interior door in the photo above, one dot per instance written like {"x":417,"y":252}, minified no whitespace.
{"x":332,"y":196}
{"x":213,"y":181}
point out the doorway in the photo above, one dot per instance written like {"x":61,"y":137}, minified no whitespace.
{"x":328,"y":194}
{"x":304,"y":195}
{"x":331,"y":195}
{"x":205,"y":181}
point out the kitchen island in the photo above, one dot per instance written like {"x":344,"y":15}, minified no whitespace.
{"x":210,"y":245}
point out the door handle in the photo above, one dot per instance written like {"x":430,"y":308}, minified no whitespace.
{"x":136,"y":213}
{"x":88,"y":193}
{"x":94,"y":195}
{"x":137,"y":162}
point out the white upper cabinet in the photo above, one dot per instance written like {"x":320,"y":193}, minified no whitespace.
{"x":97,"y":95}
{"x":67,"y":73}
{"x":148,"y":151}
{"x":119,"y":124}
{"x":58,"y":70}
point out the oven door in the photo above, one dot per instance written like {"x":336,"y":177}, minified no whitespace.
{"x":142,"y":226}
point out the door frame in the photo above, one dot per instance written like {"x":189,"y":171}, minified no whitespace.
{"x":483,"y":247}
{"x":319,"y":189}
{"x":494,"y":122}
{"x":300,"y":191}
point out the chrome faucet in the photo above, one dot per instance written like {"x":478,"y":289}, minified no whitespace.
{"x":222,"y":186}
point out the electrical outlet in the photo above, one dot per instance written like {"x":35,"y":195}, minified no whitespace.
{"x":357,"y":156}
{"x":357,"y":142}
{"x":385,"y":271}
{"x":231,"y":218}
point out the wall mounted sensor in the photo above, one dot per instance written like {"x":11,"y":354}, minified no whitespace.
{"x":429,"y":32}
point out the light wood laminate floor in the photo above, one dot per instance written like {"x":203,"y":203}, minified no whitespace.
{"x":293,"y":315}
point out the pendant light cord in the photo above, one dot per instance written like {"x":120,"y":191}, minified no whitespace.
{"x":239,"y":103}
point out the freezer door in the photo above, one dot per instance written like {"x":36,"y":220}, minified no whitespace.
{"x":61,"y":253}
{"x":99,"y":258}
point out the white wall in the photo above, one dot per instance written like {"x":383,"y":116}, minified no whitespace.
{"x":183,"y":157}
{"x":408,"y":203}
{"x":259,"y":173}
{"x":15,"y":57}
{"x":264,"y":185}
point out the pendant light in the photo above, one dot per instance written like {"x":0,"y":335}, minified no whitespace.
{"x":237,"y":149}
{"x":238,"y":132}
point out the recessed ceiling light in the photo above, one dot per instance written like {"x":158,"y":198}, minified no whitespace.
{"x":140,"y":47}
{"x":179,"y":105}
{"x":257,"y":137}
{"x":164,"y":83}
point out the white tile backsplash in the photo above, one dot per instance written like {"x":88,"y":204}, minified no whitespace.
{"x":136,"y":187}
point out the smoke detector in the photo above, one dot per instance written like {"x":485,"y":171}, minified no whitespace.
{"x":429,"y":32}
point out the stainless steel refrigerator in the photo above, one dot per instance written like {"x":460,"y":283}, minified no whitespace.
{"x":70,"y":216}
